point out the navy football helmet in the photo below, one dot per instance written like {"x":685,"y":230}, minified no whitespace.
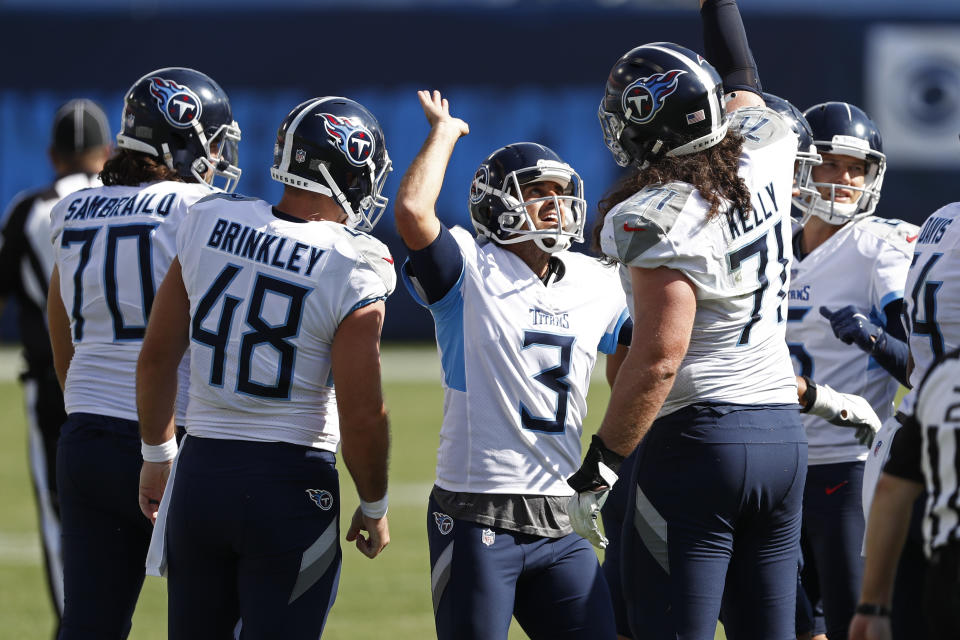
{"x":807,"y":156}
{"x":334,"y":146}
{"x":843,"y":129}
{"x":661,"y":99}
{"x":183,"y":117}
{"x":497,"y":206}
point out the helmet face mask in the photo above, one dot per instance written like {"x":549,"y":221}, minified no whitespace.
{"x":500,"y":211}
{"x":661,"y":99}
{"x":843,"y":129}
{"x":183,"y":118}
{"x":335,"y":147}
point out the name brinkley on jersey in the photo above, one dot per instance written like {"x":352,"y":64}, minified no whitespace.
{"x":246,"y":242}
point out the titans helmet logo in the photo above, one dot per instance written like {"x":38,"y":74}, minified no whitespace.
{"x":478,"y":187}
{"x":321,"y":497}
{"x":444,"y":522}
{"x":643,"y":98}
{"x":352,"y":138}
{"x":178,"y":103}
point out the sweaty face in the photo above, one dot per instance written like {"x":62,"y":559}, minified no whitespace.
{"x":843,"y":171}
{"x":544,"y":212}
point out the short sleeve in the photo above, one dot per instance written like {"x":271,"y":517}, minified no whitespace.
{"x":372,"y":276}
{"x":636,"y":232}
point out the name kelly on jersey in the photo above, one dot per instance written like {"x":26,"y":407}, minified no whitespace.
{"x":740,"y":222}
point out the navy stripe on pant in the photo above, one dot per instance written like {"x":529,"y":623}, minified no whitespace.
{"x":105,"y":536}
{"x":481,"y":576}
{"x":714,"y":517}
{"x":252,"y":533}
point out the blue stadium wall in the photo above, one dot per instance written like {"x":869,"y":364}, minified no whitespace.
{"x":518,"y":74}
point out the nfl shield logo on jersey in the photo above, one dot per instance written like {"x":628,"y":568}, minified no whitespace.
{"x":321,"y":497}
{"x":487,"y":537}
{"x":444,"y":522}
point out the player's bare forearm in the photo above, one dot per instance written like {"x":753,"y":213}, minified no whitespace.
{"x":364,"y":430}
{"x":163,"y":347}
{"x":638,"y":393}
{"x":365,"y":447}
{"x":661,"y":335}
{"x":61,"y":342}
{"x":886,"y":533}
{"x":420,"y":186}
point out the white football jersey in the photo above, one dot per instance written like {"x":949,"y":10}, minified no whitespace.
{"x":517,"y":358}
{"x":113,"y":246}
{"x":864,"y":264}
{"x":737,"y":264}
{"x":933,"y":294}
{"x":267,"y":294}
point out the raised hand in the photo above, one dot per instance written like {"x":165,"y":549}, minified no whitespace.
{"x":437,"y":110}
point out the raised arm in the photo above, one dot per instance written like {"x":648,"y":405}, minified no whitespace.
{"x":414,"y":211}
{"x":726,"y":47}
{"x":364,"y":432}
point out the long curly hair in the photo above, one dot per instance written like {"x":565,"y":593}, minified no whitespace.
{"x":713,"y":172}
{"x":131,"y":168}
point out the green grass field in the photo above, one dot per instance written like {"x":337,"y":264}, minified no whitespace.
{"x":386,"y":597}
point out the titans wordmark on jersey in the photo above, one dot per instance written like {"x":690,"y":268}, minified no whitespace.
{"x":865,"y":265}
{"x":517,"y":358}
{"x":267,"y":293}
{"x":737,"y":264}
{"x":113,"y":246}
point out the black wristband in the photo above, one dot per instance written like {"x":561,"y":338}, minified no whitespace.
{"x":809,"y":396}
{"x":869,"y":609}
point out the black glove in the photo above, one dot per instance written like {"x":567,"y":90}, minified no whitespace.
{"x":588,"y":477}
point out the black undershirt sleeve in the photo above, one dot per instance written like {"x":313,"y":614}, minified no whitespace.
{"x":891,"y":350}
{"x":726,"y":47}
{"x":904,"y":461}
{"x":438,"y":266}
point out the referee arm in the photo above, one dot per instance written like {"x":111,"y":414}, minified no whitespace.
{"x":59,"y":323}
{"x":887,"y":528}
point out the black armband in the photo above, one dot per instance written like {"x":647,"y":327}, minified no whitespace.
{"x":726,"y":47}
{"x":869,"y":609}
{"x":809,"y":396}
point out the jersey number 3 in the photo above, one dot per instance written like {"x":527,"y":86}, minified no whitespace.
{"x":553,"y":378}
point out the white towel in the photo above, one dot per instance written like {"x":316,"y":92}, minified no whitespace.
{"x":157,"y":553}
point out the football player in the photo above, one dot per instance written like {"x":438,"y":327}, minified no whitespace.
{"x":701,"y":225}
{"x":80,"y":145}
{"x":281,"y":307}
{"x":112,"y":246}
{"x":519,"y":321}
{"x":933,"y":321}
{"x":846,"y":282}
